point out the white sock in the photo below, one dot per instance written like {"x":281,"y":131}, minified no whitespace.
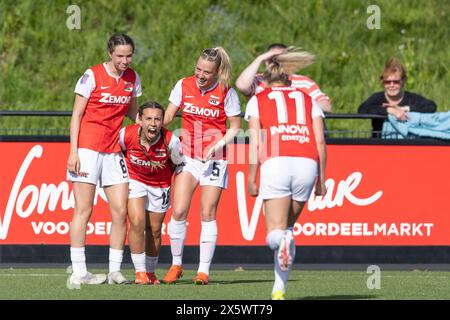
{"x":281,"y":277}
{"x":208,"y":239}
{"x":78,"y":258}
{"x":138,"y":261}
{"x":150,"y":263}
{"x":115,"y":259}
{"x":177,"y":234}
{"x":293,"y":247}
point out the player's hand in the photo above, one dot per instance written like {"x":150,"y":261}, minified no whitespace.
{"x":252,"y":188}
{"x":73,"y":163}
{"x":272,"y":53}
{"x":321,"y":189}
{"x":217,"y":149}
{"x":209,"y":155}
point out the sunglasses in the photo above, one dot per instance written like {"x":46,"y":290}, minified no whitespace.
{"x":386,"y":82}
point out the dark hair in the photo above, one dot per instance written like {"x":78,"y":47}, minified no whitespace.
{"x":150,"y":105}
{"x":276,"y":45}
{"x":119,"y":39}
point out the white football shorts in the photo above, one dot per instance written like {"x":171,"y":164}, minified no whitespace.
{"x":288,"y":176}
{"x":106,"y":169}
{"x":156,"y":199}
{"x":210,"y":173}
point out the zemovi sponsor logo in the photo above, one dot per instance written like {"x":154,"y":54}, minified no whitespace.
{"x":110,"y":99}
{"x":206,"y":112}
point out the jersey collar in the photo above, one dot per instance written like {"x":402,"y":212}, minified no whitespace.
{"x":208,"y":89}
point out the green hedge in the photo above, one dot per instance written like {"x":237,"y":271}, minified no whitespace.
{"x":41,"y":59}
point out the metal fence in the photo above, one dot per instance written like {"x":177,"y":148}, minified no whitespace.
{"x":349,"y":134}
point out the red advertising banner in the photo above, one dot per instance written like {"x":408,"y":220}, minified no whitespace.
{"x":377,"y":195}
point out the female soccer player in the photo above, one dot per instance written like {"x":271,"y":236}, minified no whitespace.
{"x":151,"y":153}
{"x":207,"y":101}
{"x":104,"y":95}
{"x":287,"y":138}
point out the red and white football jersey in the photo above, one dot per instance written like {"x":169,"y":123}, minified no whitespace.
{"x":204,"y":115}
{"x":285,"y":114}
{"x":108,"y":102}
{"x":298,"y":81}
{"x":155,"y":169}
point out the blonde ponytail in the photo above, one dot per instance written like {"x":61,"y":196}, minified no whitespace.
{"x":294,"y":60}
{"x":287,"y":63}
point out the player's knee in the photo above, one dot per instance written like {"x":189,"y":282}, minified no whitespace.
{"x":179,"y":214}
{"x":208,"y":213}
{"x":156,"y":233}
{"x":83,"y":213}
{"x":273,"y":238}
{"x":137,"y":224}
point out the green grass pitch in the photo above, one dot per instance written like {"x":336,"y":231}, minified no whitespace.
{"x":241,"y":284}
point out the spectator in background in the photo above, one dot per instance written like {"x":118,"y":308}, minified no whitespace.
{"x":394,"y":99}
{"x":251,"y":82}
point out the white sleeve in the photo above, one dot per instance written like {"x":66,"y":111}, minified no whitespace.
{"x":122,"y":139}
{"x":86,"y":84}
{"x":137,"y":90}
{"x":232,"y":104}
{"x":316,"y":110}
{"x":176,"y":152}
{"x":252,"y":109}
{"x":176,"y":94}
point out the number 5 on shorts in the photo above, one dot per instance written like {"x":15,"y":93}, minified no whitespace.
{"x":216,"y":169}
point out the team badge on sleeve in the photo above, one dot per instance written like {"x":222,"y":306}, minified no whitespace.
{"x":84,"y":78}
{"x":128,"y":86}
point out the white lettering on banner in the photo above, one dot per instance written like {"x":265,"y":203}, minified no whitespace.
{"x":248,"y":229}
{"x":62,"y":228}
{"x":47,"y":195}
{"x":358,"y":229}
{"x":344,"y":190}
